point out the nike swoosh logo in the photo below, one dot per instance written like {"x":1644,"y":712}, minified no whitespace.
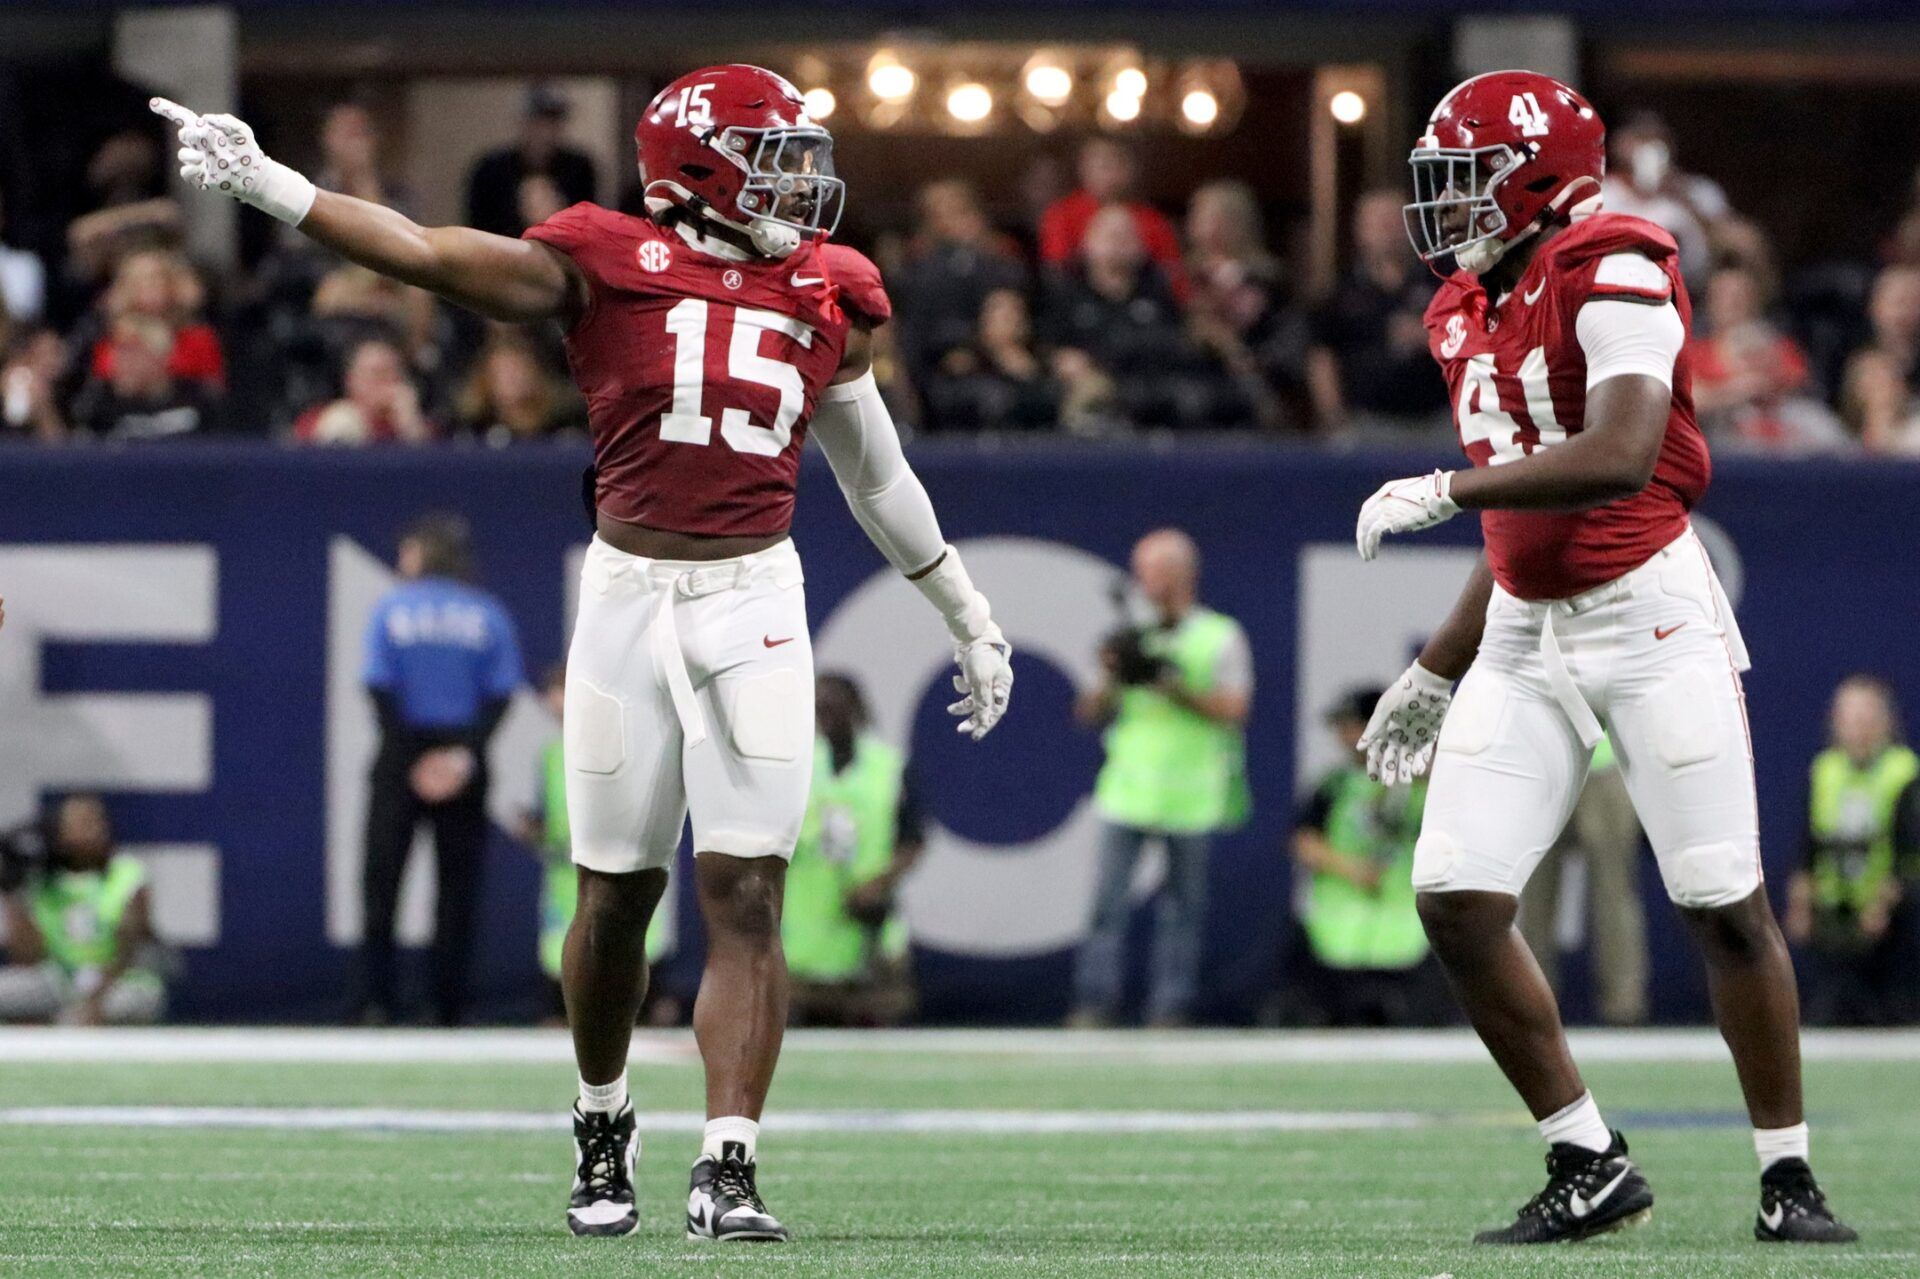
{"x":1534,"y":296}
{"x":1773,"y":1216}
{"x":771,"y":642}
{"x":1582,"y":1207}
{"x":1661,"y":633}
{"x":802,"y":282}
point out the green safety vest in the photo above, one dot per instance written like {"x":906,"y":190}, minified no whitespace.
{"x":1169,"y":768}
{"x":1851,"y":818}
{"x":79,"y":913}
{"x":846,"y":839}
{"x":1348,"y":927}
{"x":561,"y":893}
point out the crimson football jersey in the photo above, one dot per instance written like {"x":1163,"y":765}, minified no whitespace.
{"x":701,"y":373}
{"x":1518,"y":382}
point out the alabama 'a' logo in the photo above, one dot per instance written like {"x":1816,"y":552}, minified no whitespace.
{"x":655,"y":256}
{"x":1456,"y":337}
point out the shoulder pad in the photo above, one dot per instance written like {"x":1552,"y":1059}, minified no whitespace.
{"x":862,"y":293}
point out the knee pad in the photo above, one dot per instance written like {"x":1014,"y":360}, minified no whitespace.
{"x":1436,"y":855}
{"x":1709,"y":875}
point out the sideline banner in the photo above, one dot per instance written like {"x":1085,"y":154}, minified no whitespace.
{"x":183,"y":634}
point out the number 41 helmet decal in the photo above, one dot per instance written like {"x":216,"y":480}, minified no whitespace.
{"x":1503,"y":155}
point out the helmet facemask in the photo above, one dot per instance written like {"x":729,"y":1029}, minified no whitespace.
{"x":791,"y":193}
{"x":1454,"y":210}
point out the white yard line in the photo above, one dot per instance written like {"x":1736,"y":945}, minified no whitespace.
{"x":379,"y":1119}
{"x":1223,"y":1047}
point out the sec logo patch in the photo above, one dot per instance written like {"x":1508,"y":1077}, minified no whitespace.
{"x":1456,"y":336}
{"x":654,"y":256}
{"x":732,"y":279}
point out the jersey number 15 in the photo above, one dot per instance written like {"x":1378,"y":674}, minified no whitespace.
{"x":684,"y":423}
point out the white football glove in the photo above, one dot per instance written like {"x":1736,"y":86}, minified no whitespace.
{"x":986,"y":679}
{"x":1405,"y":506}
{"x":1405,"y":727}
{"x":218,"y":153}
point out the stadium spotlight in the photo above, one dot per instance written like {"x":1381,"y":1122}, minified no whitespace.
{"x":1124,"y":107}
{"x":970,"y":103}
{"x":1129,"y":82}
{"x":1200,"y":108}
{"x":1347,"y":107}
{"x":889,"y":80}
{"x":819,"y":102}
{"x":1050,"y":83}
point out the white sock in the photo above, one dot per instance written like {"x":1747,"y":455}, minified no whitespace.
{"x":731,"y":1128}
{"x":605,"y":1098}
{"x":1579,"y":1123}
{"x":1775,"y":1144}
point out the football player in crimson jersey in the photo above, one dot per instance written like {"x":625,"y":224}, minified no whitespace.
{"x":708,"y":338}
{"x":1561,"y":333}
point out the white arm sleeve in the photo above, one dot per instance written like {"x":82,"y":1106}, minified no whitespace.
{"x":857,"y":434}
{"x":1629,"y":337}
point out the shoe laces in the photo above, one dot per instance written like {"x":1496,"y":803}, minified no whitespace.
{"x":1799,"y":1192}
{"x":602,"y":1155}
{"x":735,"y":1181}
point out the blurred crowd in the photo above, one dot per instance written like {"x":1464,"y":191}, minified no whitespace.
{"x":1086,"y":310}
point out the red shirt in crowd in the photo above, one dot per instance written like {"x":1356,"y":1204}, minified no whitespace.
{"x":1064,"y":225}
{"x":196,"y":355}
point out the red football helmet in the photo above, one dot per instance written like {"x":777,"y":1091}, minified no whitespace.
{"x":1504,"y":154}
{"x":734,"y":145}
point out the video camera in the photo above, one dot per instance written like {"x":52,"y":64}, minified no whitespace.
{"x":26,"y":853}
{"x":1127,"y":643}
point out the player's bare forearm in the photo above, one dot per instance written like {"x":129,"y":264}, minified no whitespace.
{"x":519,"y":281}
{"x":1450,"y":650}
{"x":1614,"y":457}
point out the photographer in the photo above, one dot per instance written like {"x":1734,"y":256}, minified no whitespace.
{"x":80,"y":943}
{"x":1173,"y":700}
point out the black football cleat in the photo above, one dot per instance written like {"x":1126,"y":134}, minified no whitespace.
{"x":605,"y":1150}
{"x":1792,"y":1209}
{"x":723,"y":1204}
{"x":1587,"y":1194}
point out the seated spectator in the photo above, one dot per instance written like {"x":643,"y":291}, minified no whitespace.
{"x":1880,"y":390}
{"x":131,"y":208}
{"x":995,"y":382}
{"x":1644,"y":179}
{"x":955,"y":261}
{"x":1121,"y":349}
{"x":350,"y":159}
{"x":80,"y":943}
{"x":493,"y":187}
{"x":1369,"y":365}
{"x":1749,"y":377}
{"x":23,"y":282}
{"x":1237,"y":309}
{"x":159,"y":287}
{"x":141,"y":398}
{"x":379,"y":403}
{"x":1366,"y":960}
{"x":846,"y":947}
{"x":1107,"y":174}
{"x":29,"y":402}
{"x":511,"y":395}
{"x":1114,"y":321}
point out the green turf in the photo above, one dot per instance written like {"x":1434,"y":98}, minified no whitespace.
{"x":1353,"y":1205}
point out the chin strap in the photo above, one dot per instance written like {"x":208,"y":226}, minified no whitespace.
{"x":703,"y":226}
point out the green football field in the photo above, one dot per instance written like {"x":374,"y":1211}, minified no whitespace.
{"x":422,"y":1154}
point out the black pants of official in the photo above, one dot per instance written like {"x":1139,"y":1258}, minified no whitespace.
{"x":459,"y":828}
